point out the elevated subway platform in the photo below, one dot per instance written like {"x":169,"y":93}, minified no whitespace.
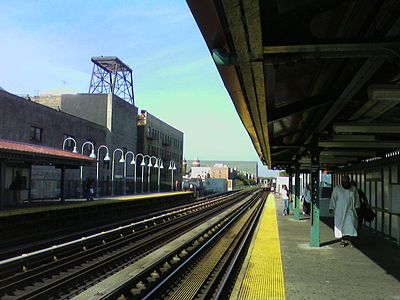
{"x":49,"y":220}
{"x":37,"y":206}
{"x":370,"y":270}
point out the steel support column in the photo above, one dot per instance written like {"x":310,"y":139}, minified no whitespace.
{"x":296,"y":191}
{"x":2,"y":183}
{"x":30,"y":184}
{"x":62,"y":184}
{"x":314,"y":214}
{"x":290,"y":204}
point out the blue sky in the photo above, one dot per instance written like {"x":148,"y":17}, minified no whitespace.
{"x":47,"y":46}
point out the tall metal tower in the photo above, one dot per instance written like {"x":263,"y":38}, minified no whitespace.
{"x":111,"y":75}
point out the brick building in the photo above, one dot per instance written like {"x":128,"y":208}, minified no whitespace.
{"x":160,"y":139}
{"x":25,"y":121}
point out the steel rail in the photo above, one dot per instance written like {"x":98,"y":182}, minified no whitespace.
{"x":125,"y":287}
{"x":32,"y":243}
{"x":226,"y":248}
{"x":240,"y":250}
{"x":82,"y":272}
{"x":53,"y":250}
{"x":208,"y":246}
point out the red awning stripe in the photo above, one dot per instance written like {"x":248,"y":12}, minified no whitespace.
{"x":18,"y":147}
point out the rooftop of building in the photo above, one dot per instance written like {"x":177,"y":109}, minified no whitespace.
{"x":145,"y":115}
{"x":29,"y":100}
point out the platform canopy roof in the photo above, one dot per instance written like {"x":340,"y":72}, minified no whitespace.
{"x":309,"y":73}
{"x":17,"y":151}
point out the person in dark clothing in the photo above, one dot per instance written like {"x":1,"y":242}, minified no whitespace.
{"x":16,"y":187}
{"x":306,"y":200}
{"x":363,"y":205}
{"x":89,"y":190}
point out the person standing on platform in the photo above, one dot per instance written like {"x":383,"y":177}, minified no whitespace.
{"x":306,"y":200}
{"x":285,"y":199}
{"x":16,"y":187}
{"x":343,"y":205}
{"x":89,"y":190}
{"x":363,"y":206}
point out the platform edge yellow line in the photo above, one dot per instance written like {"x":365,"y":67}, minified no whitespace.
{"x":263,"y":277}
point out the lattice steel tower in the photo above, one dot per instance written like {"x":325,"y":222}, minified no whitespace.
{"x":111,"y":75}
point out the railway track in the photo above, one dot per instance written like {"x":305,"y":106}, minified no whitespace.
{"x":203,"y":266}
{"x":68,"y":269}
{"x":31,"y":243}
{"x":210,"y":274}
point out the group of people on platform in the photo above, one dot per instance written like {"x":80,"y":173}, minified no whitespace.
{"x":306,"y":199}
{"x":348,"y":205}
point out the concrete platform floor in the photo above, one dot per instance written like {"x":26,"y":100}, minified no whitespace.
{"x":370,"y":270}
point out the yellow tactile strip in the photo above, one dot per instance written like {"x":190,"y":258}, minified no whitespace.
{"x":264,"y":275}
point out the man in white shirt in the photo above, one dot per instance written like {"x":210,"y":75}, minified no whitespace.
{"x":343,"y":204}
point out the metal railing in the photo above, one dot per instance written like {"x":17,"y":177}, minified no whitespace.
{"x":42,"y":189}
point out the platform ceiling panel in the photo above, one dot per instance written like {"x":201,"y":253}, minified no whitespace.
{"x":302,"y":66}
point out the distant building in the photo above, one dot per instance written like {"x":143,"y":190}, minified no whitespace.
{"x":221,"y":171}
{"x":225,"y":170}
{"x":218,"y":178}
{"x":200,"y":172}
{"x":195,"y":163}
{"x":245,"y":167}
{"x":159,"y":139}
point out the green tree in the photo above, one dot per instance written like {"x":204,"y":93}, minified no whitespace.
{"x":243,"y":179}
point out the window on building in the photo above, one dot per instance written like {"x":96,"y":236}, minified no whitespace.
{"x":36,"y":134}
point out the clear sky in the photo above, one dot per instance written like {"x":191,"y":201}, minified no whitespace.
{"x":46,"y":46}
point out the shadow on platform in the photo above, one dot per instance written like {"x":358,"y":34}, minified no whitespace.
{"x":380,"y":250}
